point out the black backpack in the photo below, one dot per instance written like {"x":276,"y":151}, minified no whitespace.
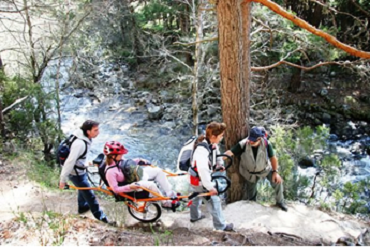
{"x":64,"y":150}
{"x":123,"y":167}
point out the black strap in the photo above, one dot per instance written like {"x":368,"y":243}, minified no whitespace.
{"x":81,"y":156}
{"x":107,"y":167}
{"x":209,"y":149}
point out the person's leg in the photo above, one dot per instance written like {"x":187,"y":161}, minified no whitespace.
{"x":278,"y":193}
{"x":87,"y":196}
{"x":195,"y":212}
{"x":214,"y":207}
{"x":251,"y":190}
{"x":159,"y":176}
{"x":153,"y":187}
{"x":278,"y":189}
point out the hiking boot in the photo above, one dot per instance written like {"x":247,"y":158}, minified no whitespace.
{"x":171,"y":205}
{"x":201,"y":217}
{"x":229,"y":227}
{"x":111,"y":223}
{"x":283,"y":206}
{"x":82,"y":210}
{"x":167,"y":204}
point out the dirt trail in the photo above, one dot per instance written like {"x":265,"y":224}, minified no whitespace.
{"x":255,"y":224}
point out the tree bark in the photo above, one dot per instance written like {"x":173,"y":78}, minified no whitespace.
{"x":198,"y":17}
{"x":2,"y":126}
{"x":1,"y":65}
{"x":295,"y":81}
{"x":234,"y":21}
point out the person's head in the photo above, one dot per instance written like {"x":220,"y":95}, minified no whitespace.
{"x":114,"y":151}
{"x":90,"y":129}
{"x":215,"y":132}
{"x":255,"y":135}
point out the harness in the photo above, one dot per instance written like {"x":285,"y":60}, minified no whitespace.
{"x":193,"y":170}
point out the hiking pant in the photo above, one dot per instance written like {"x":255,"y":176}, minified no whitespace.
{"x":153,"y":187}
{"x":86,"y":197}
{"x":213,"y":206}
{"x":160,"y":177}
{"x":252,"y":189}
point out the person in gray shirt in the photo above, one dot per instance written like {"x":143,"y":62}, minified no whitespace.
{"x":258,"y":161}
{"x":75,"y":169}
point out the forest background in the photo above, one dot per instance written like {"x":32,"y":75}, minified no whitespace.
{"x":228,"y":60}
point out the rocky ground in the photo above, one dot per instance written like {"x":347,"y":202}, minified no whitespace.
{"x":33,"y":215}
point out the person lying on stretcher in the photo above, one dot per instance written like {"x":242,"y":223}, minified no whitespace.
{"x":125,"y":176}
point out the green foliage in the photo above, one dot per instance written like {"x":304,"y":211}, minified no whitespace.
{"x":349,"y":199}
{"x":21,"y":217}
{"x":165,"y":238}
{"x":290,"y":146}
{"x":37,"y":169}
{"x":153,"y":14}
{"x":34,"y":113}
{"x":50,"y":227}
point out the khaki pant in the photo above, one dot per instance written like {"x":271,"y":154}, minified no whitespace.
{"x":252,"y":189}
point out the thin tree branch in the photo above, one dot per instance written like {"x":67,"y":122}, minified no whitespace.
{"x":339,"y":12}
{"x":12,"y":105}
{"x":264,"y":68}
{"x":196,"y":42}
{"x":360,"y":8}
{"x":305,"y":25}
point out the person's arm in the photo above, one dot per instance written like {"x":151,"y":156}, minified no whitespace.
{"x":201,"y":158}
{"x":76,"y":150}
{"x":237,"y":149}
{"x":219,"y":160}
{"x":276,"y":178}
{"x":111,"y":176}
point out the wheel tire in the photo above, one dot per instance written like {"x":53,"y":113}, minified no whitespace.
{"x":153,"y":209}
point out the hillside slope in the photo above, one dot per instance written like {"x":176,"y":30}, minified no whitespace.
{"x":32,"y":215}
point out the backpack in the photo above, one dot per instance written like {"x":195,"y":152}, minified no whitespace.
{"x":126,"y":166}
{"x":64,"y":150}
{"x":186,"y":153}
{"x":129,"y":168}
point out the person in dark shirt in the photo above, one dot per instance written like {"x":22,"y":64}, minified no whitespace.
{"x":258,"y":161}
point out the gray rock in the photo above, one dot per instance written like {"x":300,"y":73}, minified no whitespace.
{"x":323,"y":92}
{"x":154,"y":112}
{"x":306,"y":162}
{"x":326,"y":118}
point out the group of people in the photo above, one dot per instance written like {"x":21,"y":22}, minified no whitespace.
{"x":258,"y":161}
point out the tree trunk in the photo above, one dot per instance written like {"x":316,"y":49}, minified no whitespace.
{"x":1,"y":65}
{"x":234,"y":21}
{"x":316,"y":15}
{"x":198,"y":17}
{"x":2,"y":126}
{"x":295,"y":80}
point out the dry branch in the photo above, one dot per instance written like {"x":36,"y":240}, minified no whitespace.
{"x":305,"y":25}
{"x":12,"y":105}
{"x":263,"y":68}
{"x":196,"y":42}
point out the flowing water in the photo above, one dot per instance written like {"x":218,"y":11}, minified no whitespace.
{"x":159,"y":141}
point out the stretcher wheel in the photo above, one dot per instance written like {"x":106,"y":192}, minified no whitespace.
{"x":150,"y":213}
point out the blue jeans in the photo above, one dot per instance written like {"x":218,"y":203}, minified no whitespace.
{"x":213,"y":206}
{"x":86,"y":197}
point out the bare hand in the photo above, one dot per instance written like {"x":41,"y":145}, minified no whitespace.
{"x":134,"y":186}
{"x":220,"y":168}
{"x":276,"y":178}
{"x":62,"y":185}
{"x":229,"y":153}
{"x":213,"y":191}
